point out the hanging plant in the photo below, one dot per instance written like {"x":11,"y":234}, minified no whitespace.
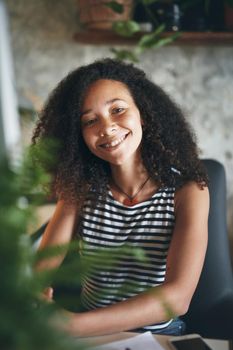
{"x":128,"y":28}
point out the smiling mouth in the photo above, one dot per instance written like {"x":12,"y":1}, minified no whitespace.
{"x":114,"y":143}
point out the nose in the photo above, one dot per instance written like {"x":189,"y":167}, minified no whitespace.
{"x":108,"y":128}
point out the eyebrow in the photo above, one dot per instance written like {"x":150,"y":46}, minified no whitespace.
{"x":106,"y":103}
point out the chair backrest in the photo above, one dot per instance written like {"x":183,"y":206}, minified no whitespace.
{"x":215,"y":287}
{"x":211,"y":311}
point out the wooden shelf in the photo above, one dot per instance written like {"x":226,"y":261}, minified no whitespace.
{"x":102,"y":37}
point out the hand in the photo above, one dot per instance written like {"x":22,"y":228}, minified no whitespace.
{"x":65,"y":321}
{"x":47,"y":294}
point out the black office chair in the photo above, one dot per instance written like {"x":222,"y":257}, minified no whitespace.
{"x":211,"y":311}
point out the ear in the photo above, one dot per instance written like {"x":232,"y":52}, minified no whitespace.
{"x":142,"y":121}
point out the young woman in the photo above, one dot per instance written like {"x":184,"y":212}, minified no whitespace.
{"x":128,"y":175}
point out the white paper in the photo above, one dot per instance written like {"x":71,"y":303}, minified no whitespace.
{"x":139,"y":342}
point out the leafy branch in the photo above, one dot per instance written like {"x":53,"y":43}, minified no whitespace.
{"x":129,"y":28}
{"x":22,"y":324}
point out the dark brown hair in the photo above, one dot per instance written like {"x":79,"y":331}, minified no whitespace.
{"x":169,"y":149}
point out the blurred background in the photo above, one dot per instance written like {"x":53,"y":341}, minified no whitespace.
{"x":44,"y":38}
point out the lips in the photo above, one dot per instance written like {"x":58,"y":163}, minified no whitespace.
{"x":114,"y":143}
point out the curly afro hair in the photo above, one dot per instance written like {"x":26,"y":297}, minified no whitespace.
{"x":169,"y":149}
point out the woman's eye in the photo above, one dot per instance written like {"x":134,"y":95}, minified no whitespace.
{"x":117,"y":110}
{"x":89,"y":122}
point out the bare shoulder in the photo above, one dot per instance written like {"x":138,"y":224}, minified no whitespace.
{"x":192,"y":193}
{"x":62,"y":224}
{"x":66,"y":210}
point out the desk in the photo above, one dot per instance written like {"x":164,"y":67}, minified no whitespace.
{"x":163,"y":340}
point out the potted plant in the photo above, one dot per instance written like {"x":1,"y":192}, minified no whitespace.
{"x":99,"y":14}
{"x":93,"y":15}
{"x":150,"y":36}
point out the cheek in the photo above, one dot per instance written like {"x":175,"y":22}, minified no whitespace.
{"x":137,"y":119}
{"x":135,"y":124}
{"x":86,"y":138}
{"x":89,"y":139}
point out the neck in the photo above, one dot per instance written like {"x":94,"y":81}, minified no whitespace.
{"x":131,"y":184}
{"x":129,"y":178}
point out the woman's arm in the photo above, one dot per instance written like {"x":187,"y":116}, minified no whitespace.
{"x":58,"y":232}
{"x":184,"y":264}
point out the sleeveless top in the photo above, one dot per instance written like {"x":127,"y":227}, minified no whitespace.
{"x":124,"y":249}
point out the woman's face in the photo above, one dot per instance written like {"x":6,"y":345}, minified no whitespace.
{"x":111,"y":122}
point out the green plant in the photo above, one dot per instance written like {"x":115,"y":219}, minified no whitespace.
{"x":26,"y":321}
{"x":146,"y":41}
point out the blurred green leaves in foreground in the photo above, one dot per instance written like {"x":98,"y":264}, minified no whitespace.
{"x":26,"y":321}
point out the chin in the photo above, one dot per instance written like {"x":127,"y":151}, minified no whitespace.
{"x":119,"y":160}
{"x":120,"y":157}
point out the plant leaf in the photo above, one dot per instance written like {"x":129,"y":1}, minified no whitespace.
{"x":125,"y":55}
{"x":56,"y":250}
{"x":126,"y":28}
{"x":165,"y":41}
{"x":156,"y":42}
{"x":115,"y":6}
{"x":149,"y":40}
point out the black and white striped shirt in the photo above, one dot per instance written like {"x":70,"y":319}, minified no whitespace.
{"x":125,"y":248}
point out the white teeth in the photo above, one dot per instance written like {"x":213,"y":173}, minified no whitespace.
{"x":114,"y":143}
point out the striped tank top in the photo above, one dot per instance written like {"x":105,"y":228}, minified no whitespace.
{"x":124,"y":249}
